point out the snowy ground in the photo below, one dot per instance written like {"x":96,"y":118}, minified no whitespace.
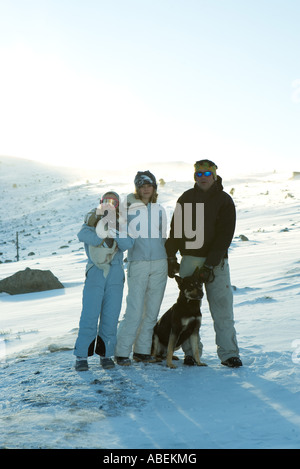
{"x":44,"y":403}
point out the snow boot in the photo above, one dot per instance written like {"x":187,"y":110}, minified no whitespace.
{"x":189,"y":360}
{"x":107,"y":363}
{"x":232,"y":362}
{"x":145,"y":358}
{"x":81,"y":364}
{"x":123,"y":361}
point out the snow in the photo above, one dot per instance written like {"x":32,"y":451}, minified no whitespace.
{"x":46,"y":404}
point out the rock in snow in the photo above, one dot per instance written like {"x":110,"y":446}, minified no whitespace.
{"x":28,"y":281}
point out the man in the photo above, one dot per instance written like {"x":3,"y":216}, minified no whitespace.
{"x":210,"y":253}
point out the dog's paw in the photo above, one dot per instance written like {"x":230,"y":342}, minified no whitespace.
{"x":171,"y":365}
{"x":201,"y":364}
{"x":158,"y":359}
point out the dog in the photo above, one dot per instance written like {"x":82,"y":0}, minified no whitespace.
{"x":181,"y":322}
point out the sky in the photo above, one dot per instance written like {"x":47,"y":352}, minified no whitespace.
{"x":114,"y":83}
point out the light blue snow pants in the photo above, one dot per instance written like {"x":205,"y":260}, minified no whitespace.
{"x":102,"y":297}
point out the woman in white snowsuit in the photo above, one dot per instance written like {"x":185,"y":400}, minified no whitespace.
{"x":147,"y":271}
{"x":104,"y":244}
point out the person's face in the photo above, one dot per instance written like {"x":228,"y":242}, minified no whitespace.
{"x":109,"y":203}
{"x":146,"y":192}
{"x":204,"y":181}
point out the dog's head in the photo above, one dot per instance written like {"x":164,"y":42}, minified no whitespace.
{"x":191,"y":286}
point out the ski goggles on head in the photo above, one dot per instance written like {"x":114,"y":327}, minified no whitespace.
{"x":201,"y":173}
{"x":110,"y":201}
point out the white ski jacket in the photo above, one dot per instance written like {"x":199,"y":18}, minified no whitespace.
{"x":147,"y":224}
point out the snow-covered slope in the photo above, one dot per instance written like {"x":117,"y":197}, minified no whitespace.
{"x":45,"y":404}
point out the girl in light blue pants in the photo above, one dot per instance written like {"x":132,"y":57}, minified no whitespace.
{"x":102,"y":296}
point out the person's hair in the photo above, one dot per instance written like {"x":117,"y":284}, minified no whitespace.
{"x":154,"y":196}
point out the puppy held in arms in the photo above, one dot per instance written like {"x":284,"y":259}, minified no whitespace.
{"x":181,"y":322}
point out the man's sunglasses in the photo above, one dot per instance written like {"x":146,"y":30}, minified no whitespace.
{"x":110,"y":201}
{"x":200,"y":173}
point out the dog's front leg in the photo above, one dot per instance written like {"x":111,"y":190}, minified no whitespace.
{"x":171,"y":347}
{"x":194,"y":341}
{"x":156,"y":348}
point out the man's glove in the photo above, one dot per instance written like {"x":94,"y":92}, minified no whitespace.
{"x":206,"y":274}
{"x":173,"y":267}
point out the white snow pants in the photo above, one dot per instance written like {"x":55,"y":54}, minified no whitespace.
{"x":146,"y":286}
{"x":220,"y":299}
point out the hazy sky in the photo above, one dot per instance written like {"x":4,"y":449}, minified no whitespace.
{"x":109,"y":82}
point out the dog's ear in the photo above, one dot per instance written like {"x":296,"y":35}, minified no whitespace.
{"x":178,"y":279}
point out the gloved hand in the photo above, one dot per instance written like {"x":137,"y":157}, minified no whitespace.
{"x":206,"y":274}
{"x":91,"y":218}
{"x":173,"y":267}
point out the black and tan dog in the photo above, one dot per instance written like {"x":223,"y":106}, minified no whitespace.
{"x":181,"y":322}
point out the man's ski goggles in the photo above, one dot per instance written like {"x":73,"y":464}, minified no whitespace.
{"x":200,"y":173}
{"x":110,"y":201}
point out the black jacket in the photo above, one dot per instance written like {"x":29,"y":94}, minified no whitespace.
{"x":219,"y":224}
